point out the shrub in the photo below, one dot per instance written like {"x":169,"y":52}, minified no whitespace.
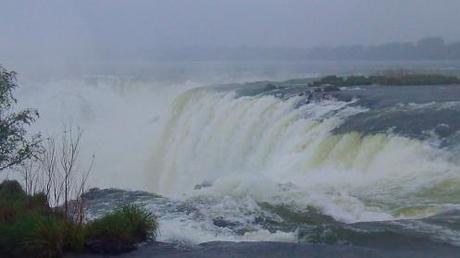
{"x":38,"y":201}
{"x":143,"y":222}
{"x":12,"y":235}
{"x":40,"y":234}
{"x":46,"y":239}
{"x":10,"y":189}
{"x":32,"y":234}
{"x":29,"y":227}
{"x":75,"y":237}
{"x":12,"y":200}
{"x":131,"y":223}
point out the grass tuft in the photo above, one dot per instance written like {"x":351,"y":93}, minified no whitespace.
{"x":46,"y":239}
{"x":131,"y":223}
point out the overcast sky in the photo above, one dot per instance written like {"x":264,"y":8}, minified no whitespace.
{"x":89,"y":26}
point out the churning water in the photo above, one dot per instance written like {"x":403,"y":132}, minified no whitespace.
{"x":266,"y":161}
{"x":261,"y":165}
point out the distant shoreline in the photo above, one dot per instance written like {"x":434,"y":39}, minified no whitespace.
{"x":393,"y":79}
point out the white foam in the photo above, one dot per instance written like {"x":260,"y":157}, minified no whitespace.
{"x":249,"y":146}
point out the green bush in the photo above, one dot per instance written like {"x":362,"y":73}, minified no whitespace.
{"x":75,"y":237}
{"x":32,"y":233}
{"x":41,"y":235}
{"x":12,"y":200}
{"x":391,"y":79}
{"x":13,"y":235}
{"x":46,"y":238}
{"x":10,"y":189}
{"x":130,"y":223}
{"x":29,"y":227}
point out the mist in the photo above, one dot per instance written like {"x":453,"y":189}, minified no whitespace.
{"x":120,"y":64}
{"x":80,"y":35}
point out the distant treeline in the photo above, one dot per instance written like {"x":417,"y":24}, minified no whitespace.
{"x":425,"y":49}
{"x":388,"y":79}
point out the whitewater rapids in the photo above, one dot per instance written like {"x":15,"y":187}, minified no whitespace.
{"x":262,"y":163}
{"x":228,"y":154}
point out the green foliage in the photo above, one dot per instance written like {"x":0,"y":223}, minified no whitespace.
{"x":12,"y":200}
{"x":10,"y":189}
{"x":14,"y":233}
{"x":390,"y":79}
{"x":30,"y":228}
{"x":38,"y":201}
{"x":130,"y":223}
{"x":27,"y":224}
{"x":33,"y":234}
{"x":46,"y":237}
{"x":15,"y":145}
{"x":143,"y":222}
{"x":331,"y":79}
{"x":75,"y":237}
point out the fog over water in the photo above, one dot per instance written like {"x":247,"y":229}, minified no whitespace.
{"x":97,"y":63}
{"x":57,"y":36}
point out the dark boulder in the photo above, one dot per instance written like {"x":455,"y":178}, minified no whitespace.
{"x":443,"y":130}
{"x":223,"y":223}
{"x":270,"y":87}
{"x":330,"y":88}
{"x":203,"y":185}
{"x":109,"y":246}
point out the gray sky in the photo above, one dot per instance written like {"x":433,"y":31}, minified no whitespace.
{"x":71,"y":27}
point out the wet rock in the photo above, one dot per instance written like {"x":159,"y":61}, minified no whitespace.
{"x":317,"y":90}
{"x":270,"y":87}
{"x":223,"y":223}
{"x":93,"y":193}
{"x":279,"y":94}
{"x":287,"y":186}
{"x":443,"y":130}
{"x":281,"y":249}
{"x":109,"y":246}
{"x":330,"y":88}
{"x":203,"y":185}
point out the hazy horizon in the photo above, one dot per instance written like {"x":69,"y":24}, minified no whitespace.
{"x":43,"y":36}
{"x":88,"y":27}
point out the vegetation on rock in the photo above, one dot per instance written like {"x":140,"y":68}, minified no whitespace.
{"x":29,"y":227}
{"x":121,"y":229}
{"x":391,"y":79}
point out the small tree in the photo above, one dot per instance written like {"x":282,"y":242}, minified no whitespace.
{"x":56,"y":172}
{"x":15,"y":145}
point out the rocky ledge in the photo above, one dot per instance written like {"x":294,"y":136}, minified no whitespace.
{"x":278,"y":249}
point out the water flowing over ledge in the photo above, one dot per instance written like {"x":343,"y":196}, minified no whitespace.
{"x":264,"y":167}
